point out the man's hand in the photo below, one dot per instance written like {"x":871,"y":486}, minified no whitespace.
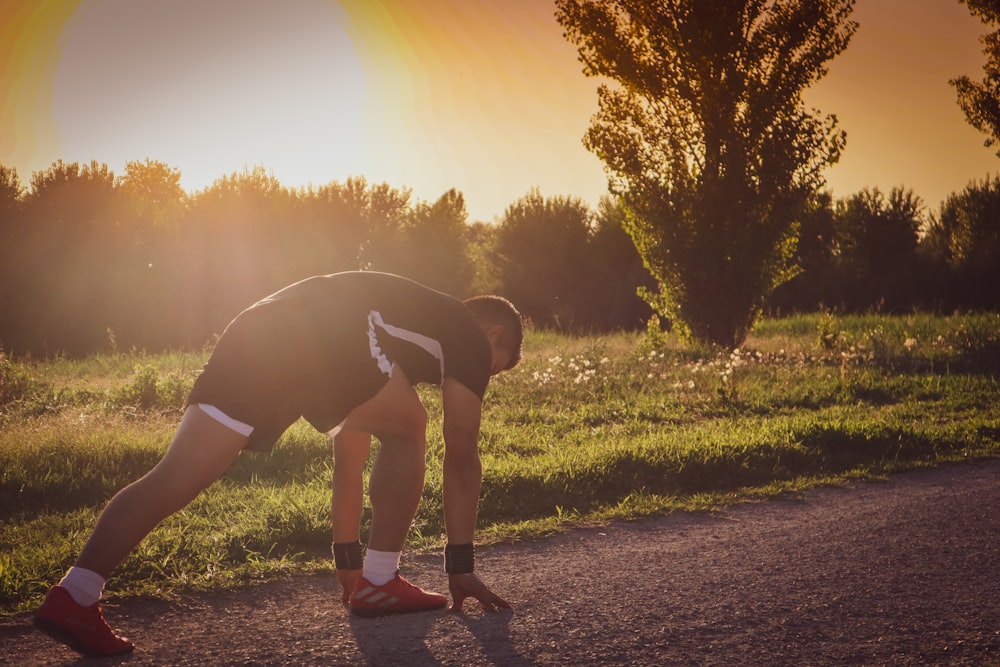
{"x":347,"y":579}
{"x":464,"y":586}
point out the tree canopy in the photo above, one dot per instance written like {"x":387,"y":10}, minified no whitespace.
{"x":91,"y":260}
{"x":705,"y":137}
{"x":980,"y":100}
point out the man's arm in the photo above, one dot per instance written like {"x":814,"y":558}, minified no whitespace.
{"x":463,"y":478}
{"x":463,"y":471}
{"x":350,"y":453}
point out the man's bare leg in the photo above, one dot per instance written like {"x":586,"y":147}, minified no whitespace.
{"x":202,"y":449}
{"x":395,"y":488}
{"x":398,"y":419}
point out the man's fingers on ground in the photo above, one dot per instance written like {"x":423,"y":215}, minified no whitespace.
{"x":494,"y":603}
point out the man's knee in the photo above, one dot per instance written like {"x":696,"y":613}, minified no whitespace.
{"x":395,"y":410}
{"x":405,"y":420}
{"x":410,"y":426}
{"x":412,"y":445}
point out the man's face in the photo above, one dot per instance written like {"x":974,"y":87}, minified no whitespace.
{"x":501,"y":359}
{"x":501,"y":356}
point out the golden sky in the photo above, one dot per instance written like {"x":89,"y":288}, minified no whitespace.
{"x":480,"y":95}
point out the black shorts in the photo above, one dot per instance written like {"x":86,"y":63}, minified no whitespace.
{"x":281,"y":360}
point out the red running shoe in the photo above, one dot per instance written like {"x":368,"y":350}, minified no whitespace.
{"x":397,"y":596}
{"x":81,"y":628}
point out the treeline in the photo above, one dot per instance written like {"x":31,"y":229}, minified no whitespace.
{"x":872,"y":251}
{"x":92,"y":261}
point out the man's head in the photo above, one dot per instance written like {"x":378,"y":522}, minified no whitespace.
{"x":503,"y":327}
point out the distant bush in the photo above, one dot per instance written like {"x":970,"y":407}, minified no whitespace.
{"x":148,"y":391}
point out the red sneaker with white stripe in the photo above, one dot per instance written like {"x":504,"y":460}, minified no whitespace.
{"x":398,"y":596}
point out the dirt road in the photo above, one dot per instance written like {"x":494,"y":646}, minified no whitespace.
{"x":904,"y":572}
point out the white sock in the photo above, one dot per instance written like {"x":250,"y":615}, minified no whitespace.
{"x":380,"y":567}
{"x":84,"y":586}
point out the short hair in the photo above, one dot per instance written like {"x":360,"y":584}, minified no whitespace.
{"x":491,"y":310}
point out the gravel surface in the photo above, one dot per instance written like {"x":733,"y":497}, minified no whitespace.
{"x":899,"y":572}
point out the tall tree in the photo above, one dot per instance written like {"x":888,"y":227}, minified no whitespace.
{"x":11,"y":194}
{"x":335,"y":228}
{"x":965,"y":239}
{"x":70,"y":218}
{"x":616,"y":271}
{"x":11,"y":190}
{"x":241,"y":233}
{"x":875,"y":244}
{"x":437,"y":245}
{"x":705,"y":136}
{"x":145,"y":260}
{"x":542,"y":246}
{"x":980,"y":100}
{"x":153,"y":194}
{"x":385,"y":210}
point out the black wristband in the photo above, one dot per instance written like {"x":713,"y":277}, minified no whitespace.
{"x":347,"y":555}
{"x":459,"y":558}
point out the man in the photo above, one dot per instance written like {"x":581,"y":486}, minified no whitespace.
{"x":343,"y":351}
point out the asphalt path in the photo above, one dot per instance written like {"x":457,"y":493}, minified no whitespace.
{"x":898,"y":572}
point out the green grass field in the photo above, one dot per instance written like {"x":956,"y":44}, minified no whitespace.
{"x":586,"y":429}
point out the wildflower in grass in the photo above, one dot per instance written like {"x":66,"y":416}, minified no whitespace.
{"x":544,"y":377}
{"x":909,"y":344}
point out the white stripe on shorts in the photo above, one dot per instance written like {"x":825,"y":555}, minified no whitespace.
{"x":218,"y":415}
{"x":336,"y":429}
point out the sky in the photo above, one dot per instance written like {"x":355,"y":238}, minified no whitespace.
{"x":479,"y":95}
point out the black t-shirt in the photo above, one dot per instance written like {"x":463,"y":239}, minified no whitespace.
{"x":431,"y":335}
{"x":323,"y":346}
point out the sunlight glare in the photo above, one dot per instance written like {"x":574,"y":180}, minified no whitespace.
{"x":276,"y":85}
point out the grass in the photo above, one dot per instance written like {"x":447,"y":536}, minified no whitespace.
{"x":585,"y":430}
